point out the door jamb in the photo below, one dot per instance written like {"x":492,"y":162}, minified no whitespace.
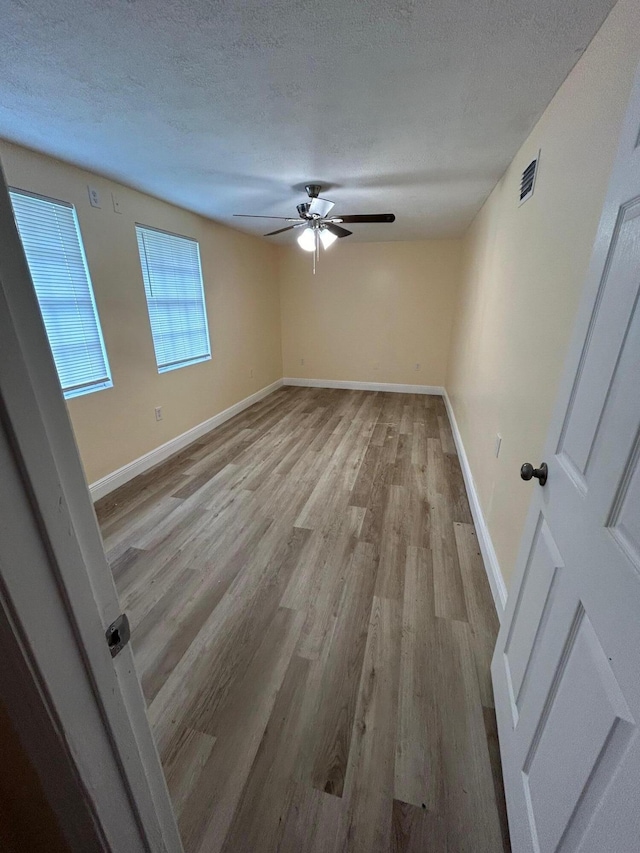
{"x":87,"y":717}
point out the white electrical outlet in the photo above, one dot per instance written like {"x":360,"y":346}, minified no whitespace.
{"x":94,"y":196}
{"x":158,"y":411}
{"x":251,"y":373}
{"x":417,"y":367}
{"x":116,"y":203}
{"x":498,"y":444}
{"x":302,"y":361}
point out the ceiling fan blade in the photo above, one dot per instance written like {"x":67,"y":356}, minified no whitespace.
{"x":368,"y":217}
{"x":280,"y":230}
{"x":320,"y":206}
{"x":256,"y":216}
{"x":337,"y":230}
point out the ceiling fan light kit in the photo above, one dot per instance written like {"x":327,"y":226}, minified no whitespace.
{"x":307,"y":240}
{"x":327,"y":237}
{"x":318,"y":227}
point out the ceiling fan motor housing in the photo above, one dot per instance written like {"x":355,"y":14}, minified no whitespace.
{"x":313,"y":190}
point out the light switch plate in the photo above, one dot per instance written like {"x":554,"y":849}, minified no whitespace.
{"x":116,"y":203}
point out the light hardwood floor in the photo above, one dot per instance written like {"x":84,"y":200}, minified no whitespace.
{"x":313,"y":629}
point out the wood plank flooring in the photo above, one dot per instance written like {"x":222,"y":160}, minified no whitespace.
{"x":313,"y":628}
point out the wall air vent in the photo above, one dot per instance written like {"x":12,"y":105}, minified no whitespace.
{"x":528,"y":180}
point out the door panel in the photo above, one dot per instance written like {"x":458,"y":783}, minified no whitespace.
{"x":615,"y":455}
{"x":601,"y":821}
{"x":531,"y":613}
{"x":624,"y":520}
{"x":567,"y":659}
{"x":605,"y":340}
{"x":584,"y":717}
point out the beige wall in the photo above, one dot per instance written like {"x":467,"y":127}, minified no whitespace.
{"x":523,"y":272}
{"x":117,"y":425}
{"x":371,"y":313}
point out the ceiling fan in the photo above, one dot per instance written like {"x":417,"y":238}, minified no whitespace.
{"x":318,"y":227}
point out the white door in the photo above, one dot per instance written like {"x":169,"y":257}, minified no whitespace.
{"x":566,"y":669}
{"x":80,"y":714}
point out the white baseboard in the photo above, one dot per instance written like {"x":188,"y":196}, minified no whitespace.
{"x":117,"y":478}
{"x":491,"y":565}
{"x":364,"y":386}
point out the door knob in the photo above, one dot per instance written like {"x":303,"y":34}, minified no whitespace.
{"x":528,"y":471}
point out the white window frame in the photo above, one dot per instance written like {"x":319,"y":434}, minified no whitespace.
{"x":94,"y":384}
{"x":165,"y":367}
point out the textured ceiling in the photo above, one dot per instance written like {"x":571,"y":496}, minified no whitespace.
{"x":406,"y":106}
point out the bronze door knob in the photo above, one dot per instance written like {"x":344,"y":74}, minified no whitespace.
{"x":528,"y":471}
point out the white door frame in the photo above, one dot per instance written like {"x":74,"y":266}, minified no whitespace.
{"x":80,"y":715}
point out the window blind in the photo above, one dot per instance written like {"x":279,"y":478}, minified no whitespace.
{"x":175,"y":297}
{"x":52,"y":244}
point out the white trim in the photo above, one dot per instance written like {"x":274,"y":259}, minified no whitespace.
{"x":364,"y":386}
{"x":491,"y":565}
{"x":138,"y":466}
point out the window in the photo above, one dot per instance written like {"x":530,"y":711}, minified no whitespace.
{"x":175,"y":296}
{"x":53,"y":248}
